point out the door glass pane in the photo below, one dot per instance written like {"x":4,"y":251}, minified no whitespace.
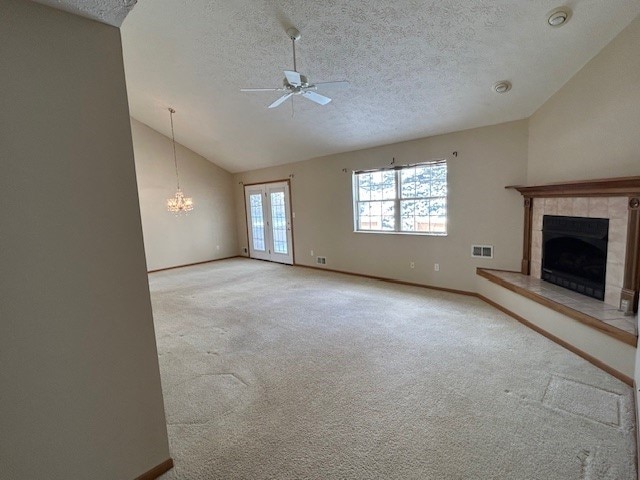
{"x":279,"y":223}
{"x":257,"y":221}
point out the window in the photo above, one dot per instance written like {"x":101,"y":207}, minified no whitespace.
{"x":411,"y":199}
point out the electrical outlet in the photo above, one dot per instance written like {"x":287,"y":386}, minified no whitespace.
{"x":244,"y":250}
{"x":312,"y":253}
{"x":412,"y":265}
{"x":436,"y":267}
{"x":217,"y":247}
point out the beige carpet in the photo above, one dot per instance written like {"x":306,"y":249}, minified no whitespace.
{"x":279,"y":372}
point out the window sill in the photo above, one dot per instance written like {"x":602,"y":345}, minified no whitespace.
{"x":416,"y":234}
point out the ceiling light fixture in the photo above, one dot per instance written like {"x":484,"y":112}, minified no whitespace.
{"x":558,"y":17}
{"x":503,"y":86}
{"x":178,"y":203}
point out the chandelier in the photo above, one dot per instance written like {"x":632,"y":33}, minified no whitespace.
{"x":177,"y":204}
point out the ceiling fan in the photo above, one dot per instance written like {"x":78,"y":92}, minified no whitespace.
{"x":295,"y":83}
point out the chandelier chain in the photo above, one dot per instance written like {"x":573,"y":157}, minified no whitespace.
{"x":173,"y":141}
{"x":177,"y":204}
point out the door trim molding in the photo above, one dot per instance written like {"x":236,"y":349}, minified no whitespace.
{"x":287,"y":181}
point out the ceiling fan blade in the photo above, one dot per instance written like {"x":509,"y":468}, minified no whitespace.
{"x":262,"y":89}
{"x":338,"y":84}
{"x":293,"y":78}
{"x":316,"y":97}
{"x":280,"y":101}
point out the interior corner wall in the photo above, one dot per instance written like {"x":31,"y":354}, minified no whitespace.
{"x":206,"y":233}
{"x":589,"y":128}
{"x":80,"y":393}
{"x":480,"y":209}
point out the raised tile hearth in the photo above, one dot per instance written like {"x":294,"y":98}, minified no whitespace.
{"x":585,"y":309}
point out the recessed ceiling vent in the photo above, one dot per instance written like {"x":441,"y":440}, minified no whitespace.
{"x":482,"y":251}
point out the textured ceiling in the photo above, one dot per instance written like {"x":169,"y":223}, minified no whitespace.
{"x":111,"y":12}
{"x":417,"y":68}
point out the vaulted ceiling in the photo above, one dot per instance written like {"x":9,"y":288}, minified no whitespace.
{"x":111,"y":12}
{"x":417,"y":68}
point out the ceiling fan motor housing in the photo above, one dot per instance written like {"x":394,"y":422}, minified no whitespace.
{"x":304,"y":83}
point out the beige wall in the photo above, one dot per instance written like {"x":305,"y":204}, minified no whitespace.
{"x":80,"y":392}
{"x":590,"y":127}
{"x":206,"y":233}
{"x":480,"y":209}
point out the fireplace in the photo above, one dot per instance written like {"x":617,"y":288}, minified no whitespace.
{"x":574,"y":253}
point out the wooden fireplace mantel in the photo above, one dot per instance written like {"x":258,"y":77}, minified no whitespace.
{"x":606,"y":187}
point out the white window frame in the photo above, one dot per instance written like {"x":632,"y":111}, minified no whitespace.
{"x":397,"y":200}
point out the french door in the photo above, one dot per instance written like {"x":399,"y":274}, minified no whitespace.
{"x":269,"y":222}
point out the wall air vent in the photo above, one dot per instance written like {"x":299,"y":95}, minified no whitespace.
{"x":482,"y":251}
{"x":321,"y":260}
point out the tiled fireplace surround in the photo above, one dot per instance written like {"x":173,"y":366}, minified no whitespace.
{"x":614,"y":208}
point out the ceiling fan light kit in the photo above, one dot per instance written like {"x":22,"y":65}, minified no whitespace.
{"x":294,"y":83}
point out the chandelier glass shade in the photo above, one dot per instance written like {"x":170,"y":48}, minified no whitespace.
{"x":177,"y":204}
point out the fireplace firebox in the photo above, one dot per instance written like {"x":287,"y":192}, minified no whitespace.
{"x":574,"y":253}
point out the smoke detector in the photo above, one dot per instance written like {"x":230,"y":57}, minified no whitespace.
{"x":559,"y":17}
{"x":503,"y":86}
